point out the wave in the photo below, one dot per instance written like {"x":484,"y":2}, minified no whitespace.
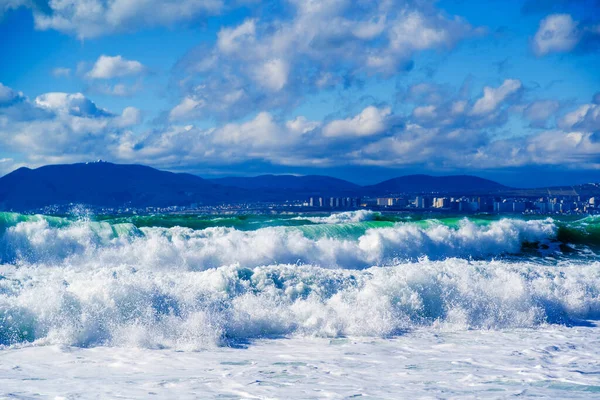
{"x":87,"y":283}
{"x":124,"y":306}
{"x":345,"y":217}
{"x":45,"y":241}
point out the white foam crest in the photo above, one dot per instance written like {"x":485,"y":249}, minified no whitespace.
{"x":85,"y":243}
{"x":121,"y":306}
{"x":344,"y":217}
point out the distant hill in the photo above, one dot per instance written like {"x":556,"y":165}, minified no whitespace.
{"x":289,"y":182}
{"x":438,"y":184}
{"x":108,"y":185}
{"x":277,"y":188}
{"x":105,"y":184}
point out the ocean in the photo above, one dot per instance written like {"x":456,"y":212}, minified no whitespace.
{"x":345,"y":305}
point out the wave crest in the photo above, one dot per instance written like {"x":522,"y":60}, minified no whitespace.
{"x":85,"y":242}
{"x":345,"y":217}
{"x":122,"y":306}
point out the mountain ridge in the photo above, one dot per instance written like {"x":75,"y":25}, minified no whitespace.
{"x":429,"y":183}
{"x":106,"y":184}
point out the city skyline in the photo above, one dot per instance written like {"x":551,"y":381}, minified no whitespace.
{"x":362,"y":91}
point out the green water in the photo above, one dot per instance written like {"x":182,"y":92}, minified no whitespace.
{"x":570,"y":229}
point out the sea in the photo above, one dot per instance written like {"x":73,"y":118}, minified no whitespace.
{"x":344,"y":305}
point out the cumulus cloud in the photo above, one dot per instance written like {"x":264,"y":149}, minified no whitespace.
{"x":107,"y":67}
{"x":585,"y":118}
{"x":560,"y":33}
{"x":371,"y":121}
{"x":459,"y":132}
{"x":437,"y":106}
{"x":92,"y":18}
{"x":130,"y":116}
{"x":492,"y":97}
{"x":539,"y":112}
{"x":75,"y":104}
{"x":8,"y":96}
{"x":186,"y":109}
{"x":58,"y":126}
{"x":273,"y":74}
{"x":271,"y":64}
{"x":446,"y":134}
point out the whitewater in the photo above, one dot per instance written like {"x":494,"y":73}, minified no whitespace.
{"x":355,"y":304}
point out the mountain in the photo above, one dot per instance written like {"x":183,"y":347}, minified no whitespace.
{"x":438,"y":184}
{"x":308,"y":183}
{"x":105,"y":184}
{"x":279,"y":188}
{"x":108,"y":185}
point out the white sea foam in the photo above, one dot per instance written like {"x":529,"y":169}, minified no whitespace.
{"x":124,"y":306}
{"x":344,"y":217}
{"x":88,"y":283}
{"x":425,"y":302}
{"x":85,"y":242}
{"x":547,"y":363}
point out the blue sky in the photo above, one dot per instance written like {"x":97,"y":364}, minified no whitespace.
{"x":362,"y":90}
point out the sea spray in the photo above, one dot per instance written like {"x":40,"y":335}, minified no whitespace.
{"x":84,"y":282}
{"x":328,"y":245}
{"x":121,"y":306}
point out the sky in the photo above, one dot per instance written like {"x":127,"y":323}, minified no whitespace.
{"x":363,"y":90}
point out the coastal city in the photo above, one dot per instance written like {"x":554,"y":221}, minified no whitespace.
{"x":464,"y":204}
{"x":550,"y":205}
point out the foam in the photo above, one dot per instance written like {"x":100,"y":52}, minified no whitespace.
{"x":86,"y":283}
{"x":345,"y":217}
{"x":123,"y":306}
{"x":79,"y":242}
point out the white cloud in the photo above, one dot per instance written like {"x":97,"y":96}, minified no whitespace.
{"x":74,"y":104}
{"x":425,"y":112}
{"x":59,"y":126}
{"x":319,"y":44}
{"x":371,"y":121}
{"x":92,"y":18}
{"x":130,"y":116}
{"x":230,"y":40}
{"x":493,"y":97}
{"x":107,"y":67}
{"x":538,"y":112}
{"x":368,"y":30}
{"x":557,"y":33}
{"x":585,"y":118}
{"x":61,"y":72}
{"x":273,"y":74}
{"x":301,"y":125}
{"x":66,"y":127}
{"x":7,"y":95}
{"x":415,"y":31}
{"x":258,"y":132}
{"x":186,"y":109}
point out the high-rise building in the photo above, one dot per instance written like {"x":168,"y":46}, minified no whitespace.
{"x":422,"y":202}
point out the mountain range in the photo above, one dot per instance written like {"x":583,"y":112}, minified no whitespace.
{"x":105,"y":184}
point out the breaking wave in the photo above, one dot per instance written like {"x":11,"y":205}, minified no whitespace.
{"x":351,"y":245}
{"x":123,"y":306}
{"x":345,"y":217}
{"x":89,"y":283}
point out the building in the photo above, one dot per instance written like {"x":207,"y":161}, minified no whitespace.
{"x":441,"y":202}
{"x":387,"y":201}
{"x":422,"y":202}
